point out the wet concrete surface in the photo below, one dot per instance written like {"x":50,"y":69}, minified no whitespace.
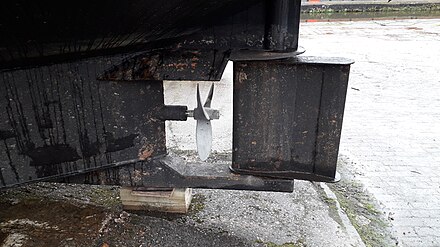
{"x":36,"y":220}
{"x":48,"y":214}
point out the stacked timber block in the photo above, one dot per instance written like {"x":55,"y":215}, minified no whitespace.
{"x":167,"y":200}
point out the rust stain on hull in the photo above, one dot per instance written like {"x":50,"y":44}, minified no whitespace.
{"x":146,"y":152}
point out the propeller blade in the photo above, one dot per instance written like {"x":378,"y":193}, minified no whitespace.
{"x":204,"y":138}
{"x":199,"y":100}
{"x":209,"y":98}
{"x":200,"y":110}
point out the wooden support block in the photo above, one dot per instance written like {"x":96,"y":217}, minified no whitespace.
{"x":169,"y":200}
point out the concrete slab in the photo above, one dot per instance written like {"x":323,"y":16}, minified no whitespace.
{"x":302,"y":218}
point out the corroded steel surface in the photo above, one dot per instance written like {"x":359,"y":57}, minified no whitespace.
{"x":288,"y":117}
{"x":60,"y":120}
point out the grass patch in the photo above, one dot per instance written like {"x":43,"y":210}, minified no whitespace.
{"x":197,"y":203}
{"x":104,"y":196}
{"x":197,"y":206}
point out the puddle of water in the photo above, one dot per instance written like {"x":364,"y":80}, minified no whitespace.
{"x":49,"y":223}
{"x":359,"y":16}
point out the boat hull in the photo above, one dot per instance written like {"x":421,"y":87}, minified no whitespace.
{"x":32,"y":30}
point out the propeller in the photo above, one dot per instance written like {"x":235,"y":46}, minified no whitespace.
{"x":204,"y":114}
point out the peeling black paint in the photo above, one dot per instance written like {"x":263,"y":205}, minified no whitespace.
{"x":59,"y":119}
{"x":118,"y":144}
{"x":51,"y":155}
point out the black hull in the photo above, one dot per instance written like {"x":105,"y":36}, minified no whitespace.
{"x":33,"y":30}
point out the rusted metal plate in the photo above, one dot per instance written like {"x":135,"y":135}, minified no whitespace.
{"x":172,"y":171}
{"x":288,"y":117}
{"x":59,"y":120}
{"x":199,"y":65}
